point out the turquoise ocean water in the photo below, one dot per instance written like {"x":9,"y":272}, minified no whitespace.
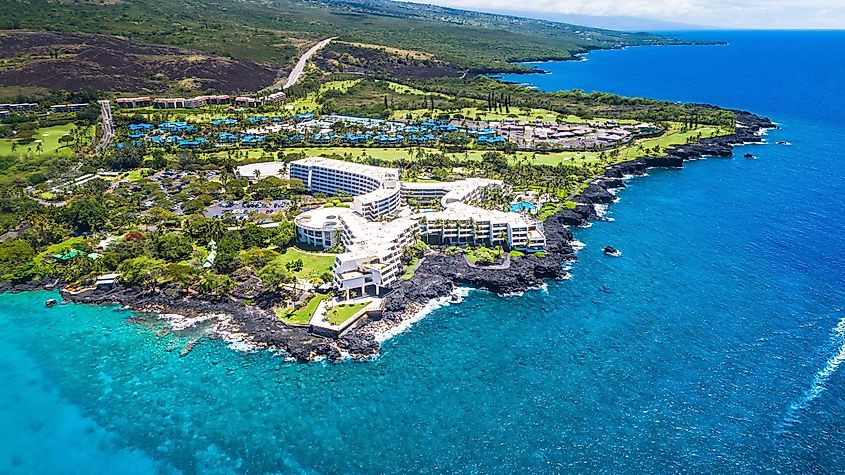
{"x":712,"y":345}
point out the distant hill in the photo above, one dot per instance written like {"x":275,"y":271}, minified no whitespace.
{"x":620,"y":23}
{"x":275,"y":31}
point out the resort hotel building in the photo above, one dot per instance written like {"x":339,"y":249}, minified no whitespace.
{"x":377,"y":227}
{"x":376,"y":190}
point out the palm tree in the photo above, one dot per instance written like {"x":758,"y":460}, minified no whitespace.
{"x":215,"y":229}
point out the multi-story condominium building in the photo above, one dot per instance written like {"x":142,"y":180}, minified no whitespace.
{"x":372,"y":261}
{"x":428,"y":193}
{"x":464,"y":224}
{"x":373,"y":246}
{"x":376,"y":190}
{"x":320,"y":227}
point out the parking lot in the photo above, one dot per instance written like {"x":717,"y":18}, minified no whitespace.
{"x":242,"y":209}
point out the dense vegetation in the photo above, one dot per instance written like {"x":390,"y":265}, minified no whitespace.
{"x":273,"y":30}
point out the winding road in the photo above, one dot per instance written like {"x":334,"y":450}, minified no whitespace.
{"x":297,"y":71}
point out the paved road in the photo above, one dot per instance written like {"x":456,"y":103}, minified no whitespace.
{"x":303,"y":61}
{"x":108,"y":126}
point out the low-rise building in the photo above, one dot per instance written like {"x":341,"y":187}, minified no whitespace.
{"x":68,"y":107}
{"x":23,"y":106}
{"x":132,"y":102}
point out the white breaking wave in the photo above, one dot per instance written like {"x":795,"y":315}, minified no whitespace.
{"x":457,"y":296}
{"x":544,"y":287}
{"x":601,"y":209}
{"x":822,"y":376}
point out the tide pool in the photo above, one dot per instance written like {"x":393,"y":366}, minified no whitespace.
{"x":713,"y":345}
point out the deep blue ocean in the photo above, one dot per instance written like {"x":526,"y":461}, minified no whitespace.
{"x":713,"y":345}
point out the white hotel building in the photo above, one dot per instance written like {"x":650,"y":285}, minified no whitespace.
{"x":376,"y":229}
{"x":376,"y":190}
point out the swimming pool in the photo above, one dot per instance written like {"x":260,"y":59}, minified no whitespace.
{"x":523,"y":206}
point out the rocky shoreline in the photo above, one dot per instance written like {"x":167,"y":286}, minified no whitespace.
{"x":438,"y":277}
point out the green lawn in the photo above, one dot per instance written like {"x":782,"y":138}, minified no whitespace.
{"x":516,"y":113}
{"x":309,"y":103}
{"x":49,"y":138}
{"x":410,"y":269}
{"x":56,"y":248}
{"x":313,"y":264}
{"x":136,"y":174}
{"x":202,"y":115}
{"x":302,"y":315}
{"x":628,"y":152}
{"x":341,"y":313}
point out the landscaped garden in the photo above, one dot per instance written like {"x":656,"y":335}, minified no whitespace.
{"x":302,"y":315}
{"x":338,"y":314}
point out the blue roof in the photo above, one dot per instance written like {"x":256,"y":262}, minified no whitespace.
{"x":192,"y":143}
{"x":177,"y":126}
{"x":227,"y":136}
{"x":249,"y":138}
{"x":305,"y":116}
{"x":388,"y":138}
{"x":226,"y":121}
{"x":491,"y":139}
{"x":140,"y":126}
{"x":136,"y":136}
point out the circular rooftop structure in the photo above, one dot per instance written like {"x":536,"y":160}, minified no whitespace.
{"x":320,"y":219}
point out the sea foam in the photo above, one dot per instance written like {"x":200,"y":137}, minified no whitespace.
{"x":819,"y":384}
{"x":456,"y":296}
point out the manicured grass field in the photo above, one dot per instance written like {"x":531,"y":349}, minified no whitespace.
{"x":49,"y":137}
{"x":136,"y":174}
{"x":630,"y":151}
{"x":516,"y":113}
{"x":313,"y":264}
{"x":403,"y":89}
{"x":341,"y":313}
{"x":303,"y":315}
{"x":309,"y":102}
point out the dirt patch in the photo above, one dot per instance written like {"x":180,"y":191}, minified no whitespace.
{"x":75,"y":62}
